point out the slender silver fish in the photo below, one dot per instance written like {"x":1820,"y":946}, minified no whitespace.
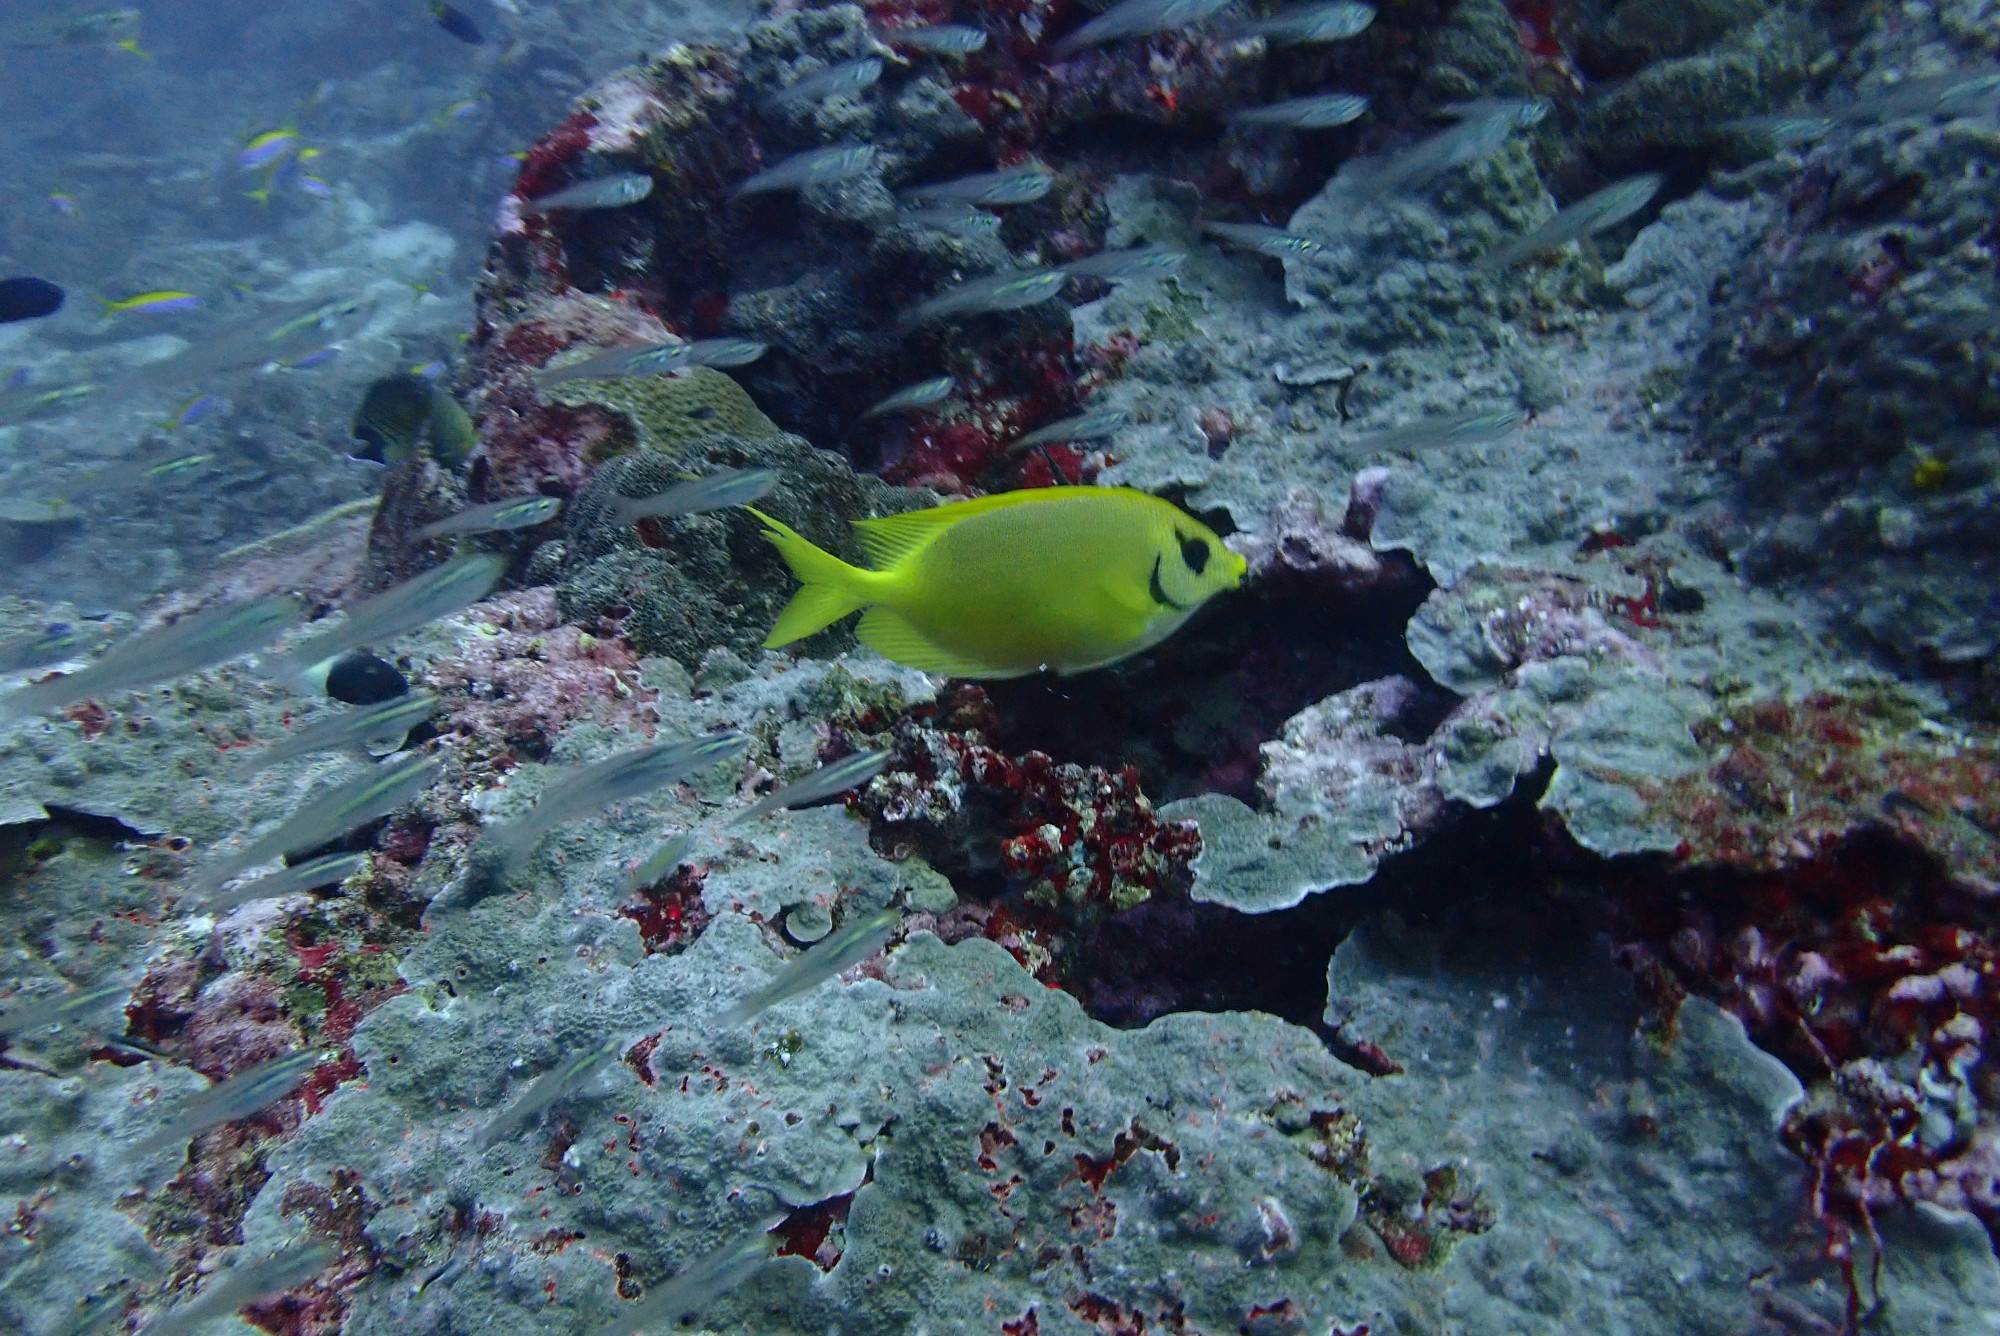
{"x":944,"y":39}
{"x":813,"y":167}
{"x":161,"y":655}
{"x":1306,"y":113}
{"x":848,"y":772}
{"x":1313,"y":23}
{"x":960,"y":220}
{"x":808,"y":970}
{"x":421,"y":599}
{"x":1272,"y":241}
{"x":1473,"y":138}
{"x":1136,"y":262}
{"x":1783,"y":131}
{"x":997,"y":292}
{"x":696,"y":496}
{"x":38,"y":649}
{"x":1593,"y":213}
{"x":591,"y":788}
{"x":1082,"y":427}
{"x":725,"y":352}
{"x":920,"y":395}
{"x":1014,"y":185}
{"x":523,"y":512}
{"x":24,"y":1014}
{"x":243,"y":1284}
{"x":294,"y":880}
{"x":646,"y":359}
{"x":325,"y":817}
{"x":368,"y":728}
{"x":657,"y":864}
{"x":842,"y":80}
{"x":249,"y":1091}
{"x":1138,"y":18}
{"x":546,"y":1089}
{"x":1959,"y":93}
{"x":699,"y":1283}
{"x":1454,"y":429}
{"x":609,"y":192}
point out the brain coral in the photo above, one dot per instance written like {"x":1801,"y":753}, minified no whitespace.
{"x":667,"y":412}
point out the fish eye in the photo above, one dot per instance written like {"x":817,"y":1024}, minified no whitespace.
{"x":1194,"y":551}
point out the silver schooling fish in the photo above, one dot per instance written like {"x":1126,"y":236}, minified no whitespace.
{"x":997,"y":292}
{"x":377,"y":729}
{"x":1593,"y":213}
{"x":1138,"y":18}
{"x":1014,"y":185}
{"x":609,"y":192}
{"x":944,"y":39}
{"x":842,"y":80}
{"x":813,"y":167}
{"x":324,"y":818}
{"x":923,"y":394}
{"x":295,"y":880}
{"x":402,"y":608}
{"x":1137,"y":262}
{"x":849,"y":772}
{"x":249,"y":1091}
{"x":1272,"y":241}
{"x":591,"y":788}
{"x":804,"y":972}
{"x":1306,"y":113}
{"x":546,"y":1089}
{"x":1313,"y":23}
{"x":523,"y":512}
{"x":1082,"y":427}
{"x":696,"y":496}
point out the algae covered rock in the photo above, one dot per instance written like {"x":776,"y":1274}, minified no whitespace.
{"x":685,"y":586}
{"x":666,"y":414}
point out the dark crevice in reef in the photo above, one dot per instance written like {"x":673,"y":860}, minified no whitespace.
{"x":1191,"y":713}
{"x":1174,"y":954}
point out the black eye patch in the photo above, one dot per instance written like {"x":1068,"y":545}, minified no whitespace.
{"x":1194,"y":551}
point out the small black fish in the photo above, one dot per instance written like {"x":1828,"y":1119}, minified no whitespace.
{"x":363,"y":679}
{"x":455,"y":22}
{"x":28,"y":299}
{"x":391,"y":417}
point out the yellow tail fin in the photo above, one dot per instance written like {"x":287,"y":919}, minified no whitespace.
{"x":832,"y":587}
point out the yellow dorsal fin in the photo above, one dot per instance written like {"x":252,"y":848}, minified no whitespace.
{"x":892,"y":538}
{"x":893,"y":638}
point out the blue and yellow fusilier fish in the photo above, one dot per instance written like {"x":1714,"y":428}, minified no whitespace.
{"x":1061,"y":578}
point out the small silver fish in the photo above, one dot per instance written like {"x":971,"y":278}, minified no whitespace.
{"x":161,"y":655}
{"x":495,"y":517}
{"x":1138,"y":18}
{"x":610,"y":192}
{"x":1593,"y":213}
{"x":367,"y":728}
{"x":657,"y":864}
{"x":1313,"y":23}
{"x":997,"y":292}
{"x":1475,"y":137}
{"x":1783,"y":131}
{"x":1272,"y":241}
{"x":326,"y":817}
{"x":696,"y":496}
{"x":725,"y":352}
{"x":545,"y":1090}
{"x":1959,"y":93}
{"x":960,"y":220}
{"x":421,"y":599}
{"x":646,"y":359}
{"x":849,"y":772}
{"x":1137,"y":262}
{"x":842,"y":80}
{"x":251,"y":1090}
{"x":1083,"y":427}
{"x":1521,"y":112}
{"x":38,"y":649}
{"x":804,"y":972}
{"x":944,"y":39}
{"x":699,"y":1283}
{"x":1455,"y":429}
{"x":813,"y":167}
{"x":37,"y":1013}
{"x":591,"y":788}
{"x":294,"y":880}
{"x":1306,"y":113}
{"x":244,"y":1283}
{"x":1015,"y":185}
{"x":920,"y":395}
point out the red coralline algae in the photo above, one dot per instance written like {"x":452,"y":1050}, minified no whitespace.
{"x":1793,"y":778}
{"x":1083,"y":837}
{"x":521,"y":685}
{"x":669,"y":915}
{"x":1877,"y":980}
{"x":815,"y":1232}
{"x":546,"y":165}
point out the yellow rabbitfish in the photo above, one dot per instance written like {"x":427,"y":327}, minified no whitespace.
{"x":1060,"y":578}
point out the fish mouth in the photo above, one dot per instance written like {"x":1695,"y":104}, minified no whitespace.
{"x":1160,"y":594}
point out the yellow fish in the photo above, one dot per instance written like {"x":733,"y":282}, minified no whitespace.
{"x":163,"y":300}
{"x":1061,"y":578}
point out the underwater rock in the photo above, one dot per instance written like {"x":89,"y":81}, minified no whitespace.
{"x":684,"y":586}
{"x":665,"y":414}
